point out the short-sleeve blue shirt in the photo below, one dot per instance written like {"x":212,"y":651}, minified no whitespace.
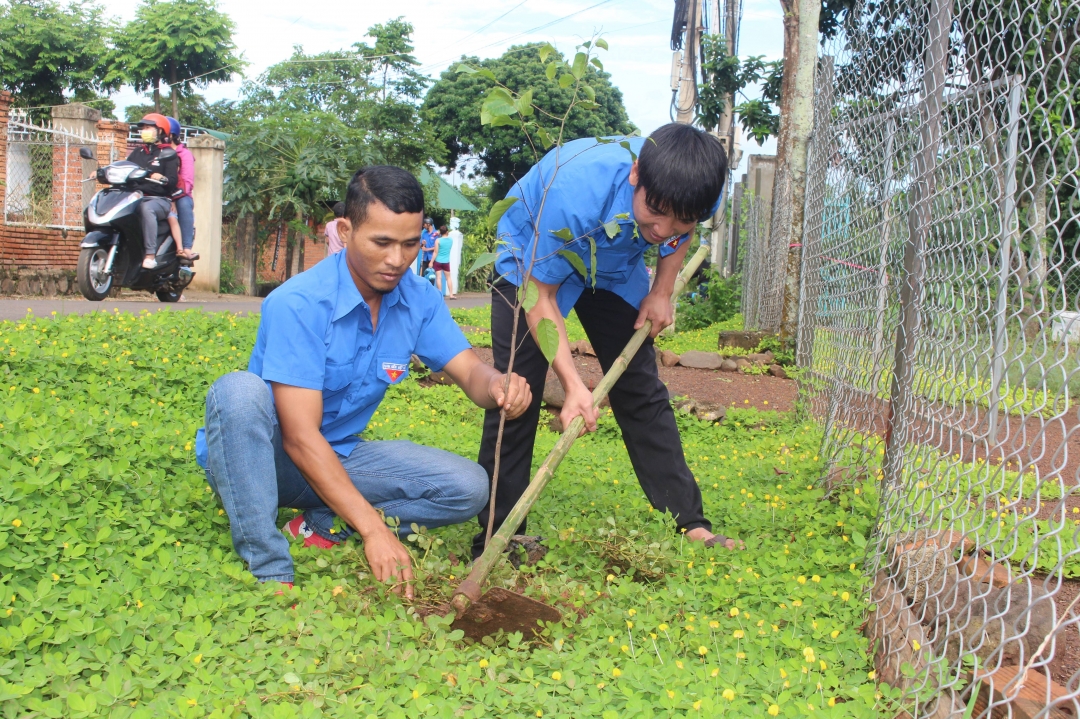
{"x":592,"y":188}
{"x":315,"y":333}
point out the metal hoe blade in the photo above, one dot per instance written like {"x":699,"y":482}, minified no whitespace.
{"x":502,"y":610}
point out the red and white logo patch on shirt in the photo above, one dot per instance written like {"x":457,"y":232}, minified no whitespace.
{"x":394,"y":370}
{"x":673,"y":242}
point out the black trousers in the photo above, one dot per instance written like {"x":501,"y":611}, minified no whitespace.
{"x":639,"y":401}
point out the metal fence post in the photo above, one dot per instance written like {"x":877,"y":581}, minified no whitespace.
{"x":920,"y":218}
{"x":883,"y":261}
{"x":1008,"y":218}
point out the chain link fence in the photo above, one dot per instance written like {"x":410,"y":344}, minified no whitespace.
{"x":939,"y":338}
{"x":45,"y":176}
{"x":762,"y":297}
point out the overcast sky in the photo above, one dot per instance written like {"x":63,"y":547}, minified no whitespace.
{"x":638,"y":32}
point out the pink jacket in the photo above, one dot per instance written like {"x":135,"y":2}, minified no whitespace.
{"x":187,"y":168}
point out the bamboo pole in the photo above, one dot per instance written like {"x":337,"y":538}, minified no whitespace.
{"x":469,"y":590}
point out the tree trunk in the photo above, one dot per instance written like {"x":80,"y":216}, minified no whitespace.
{"x":300,"y":250}
{"x":796,"y":122}
{"x":245,"y":248}
{"x":175,"y":93}
{"x":157,"y":96}
{"x":290,"y":251}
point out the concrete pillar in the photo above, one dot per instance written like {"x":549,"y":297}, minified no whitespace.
{"x":70,"y":193}
{"x":209,"y":153}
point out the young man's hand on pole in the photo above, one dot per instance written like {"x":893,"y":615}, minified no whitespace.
{"x":578,"y":397}
{"x":657,"y":304}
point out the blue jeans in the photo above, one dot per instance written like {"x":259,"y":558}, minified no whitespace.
{"x":250,"y":471}
{"x":185,"y":215}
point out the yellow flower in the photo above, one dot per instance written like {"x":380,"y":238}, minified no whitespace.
{"x":702,"y":650}
{"x":138,"y":603}
{"x":801,"y":580}
{"x":670,"y":694}
{"x":631,"y":612}
{"x":832,"y":701}
{"x":915,"y":645}
{"x":714,"y":625}
{"x":16,"y":522}
{"x":134,"y":424}
{"x":415,"y":694}
{"x":629,"y":625}
{"x":36,"y":390}
{"x":734,"y":611}
{"x":483,"y":663}
{"x":663,"y":627}
{"x":601,"y":685}
{"x":808,"y":653}
{"x":697,"y":705}
{"x":556,"y":676}
{"x":55,"y":577}
{"x":738,"y":634}
{"x":773,"y":710}
{"x":192,"y":702}
{"x":611,"y":577}
{"x":797,"y":603}
{"x":835,"y":633}
{"x":845,"y":596}
{"x":616,"y":672}
{"x":625,"y":648}
{"x":678,"y":664}
{"x":871,"y":674}
{"x":539,"y":712}
{"x":729,"y":695}
{"x":815,"y":578}
{"x":783,"y":674}
{"x":823,"y":665}
{"x":197,"y":659}
{"x":338,"y":590}
{"x":714,"y":672}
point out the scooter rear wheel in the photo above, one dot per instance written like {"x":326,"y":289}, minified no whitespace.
{"x":168,"y":296}
{"x":93,"y":283}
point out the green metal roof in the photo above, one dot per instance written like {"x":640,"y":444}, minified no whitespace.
{"x":449,"y":197}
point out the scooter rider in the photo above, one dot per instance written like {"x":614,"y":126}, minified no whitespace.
{"x":160,"y":188}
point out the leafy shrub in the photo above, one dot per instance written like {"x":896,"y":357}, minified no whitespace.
{"x":715,"y":299}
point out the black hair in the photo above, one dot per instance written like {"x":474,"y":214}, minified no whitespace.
{"x":442,"y":229}
{"x":682,"y":171}
{"x":339,"y":209}
{"x":392,"y":186}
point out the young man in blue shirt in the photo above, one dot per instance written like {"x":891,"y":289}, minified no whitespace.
{"x":427,"y":244}
{"x":626,"y":200}
{"x":330,"y":342}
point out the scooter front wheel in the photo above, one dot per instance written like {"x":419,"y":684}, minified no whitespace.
{"x":94,"y":283}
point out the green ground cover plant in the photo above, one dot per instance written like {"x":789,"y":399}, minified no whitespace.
{"x":121,"y":596}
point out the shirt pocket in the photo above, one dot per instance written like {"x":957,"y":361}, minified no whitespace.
{"x":337,"y":376}
{"x":393,"y":368}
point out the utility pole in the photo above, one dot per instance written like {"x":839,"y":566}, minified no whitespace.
{"x":684,"y":66}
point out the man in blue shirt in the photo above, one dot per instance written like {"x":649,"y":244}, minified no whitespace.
{"x":330,"y":342}
{"x":606,"y":203}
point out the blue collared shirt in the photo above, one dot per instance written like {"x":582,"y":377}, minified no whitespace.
{"x":427,"y":243}
{"x":315,"y":333}
{"x":592,"y":188}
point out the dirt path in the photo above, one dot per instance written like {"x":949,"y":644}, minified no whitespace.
{"x":763,"y":392}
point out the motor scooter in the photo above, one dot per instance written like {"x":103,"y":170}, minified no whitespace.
{"x":112,"y":252}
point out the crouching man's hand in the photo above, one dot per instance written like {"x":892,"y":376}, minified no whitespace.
{"x":389,"y":559}
{"x":515,"y":399}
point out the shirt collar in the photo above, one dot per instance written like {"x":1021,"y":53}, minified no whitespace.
{"x":348,"y":297}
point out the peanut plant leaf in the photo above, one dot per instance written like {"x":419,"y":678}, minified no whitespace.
{"x":576,"y":261}
{"x":498,"y":209}
{"x":547,"y":335}
{"x":482,"y":261}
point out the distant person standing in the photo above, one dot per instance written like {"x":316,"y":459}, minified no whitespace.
{"x":444,"y":243}
{"x":184,"y":204}
{"x":427,"y":244}
{"x":334,"y":244}
{"x":455,"y":252}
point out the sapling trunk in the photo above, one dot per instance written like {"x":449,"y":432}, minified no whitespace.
{"x":469,"y":590}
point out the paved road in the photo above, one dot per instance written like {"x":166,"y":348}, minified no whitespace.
{"x":16,"y":308}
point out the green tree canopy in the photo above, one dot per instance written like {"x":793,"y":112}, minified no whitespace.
{"x":223,"y":115}
{"x":312,"y":120}
{"x":452,"y":106}
{"x":50,"y":54}
{"x":183,"y":43}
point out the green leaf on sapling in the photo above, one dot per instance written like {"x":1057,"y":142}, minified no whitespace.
{"x":581,"y":61}
{"x":601,"y":42}
{"x":564,"y":234}
{"x":551,"y":69}
{"x":566,"y":81}
{"x":547,"y":335}
{"x":532,"y":296}
{"x":498,"y":209}
{"x":574,"y":259}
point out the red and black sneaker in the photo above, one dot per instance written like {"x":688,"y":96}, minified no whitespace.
{"x":297,"y":528}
